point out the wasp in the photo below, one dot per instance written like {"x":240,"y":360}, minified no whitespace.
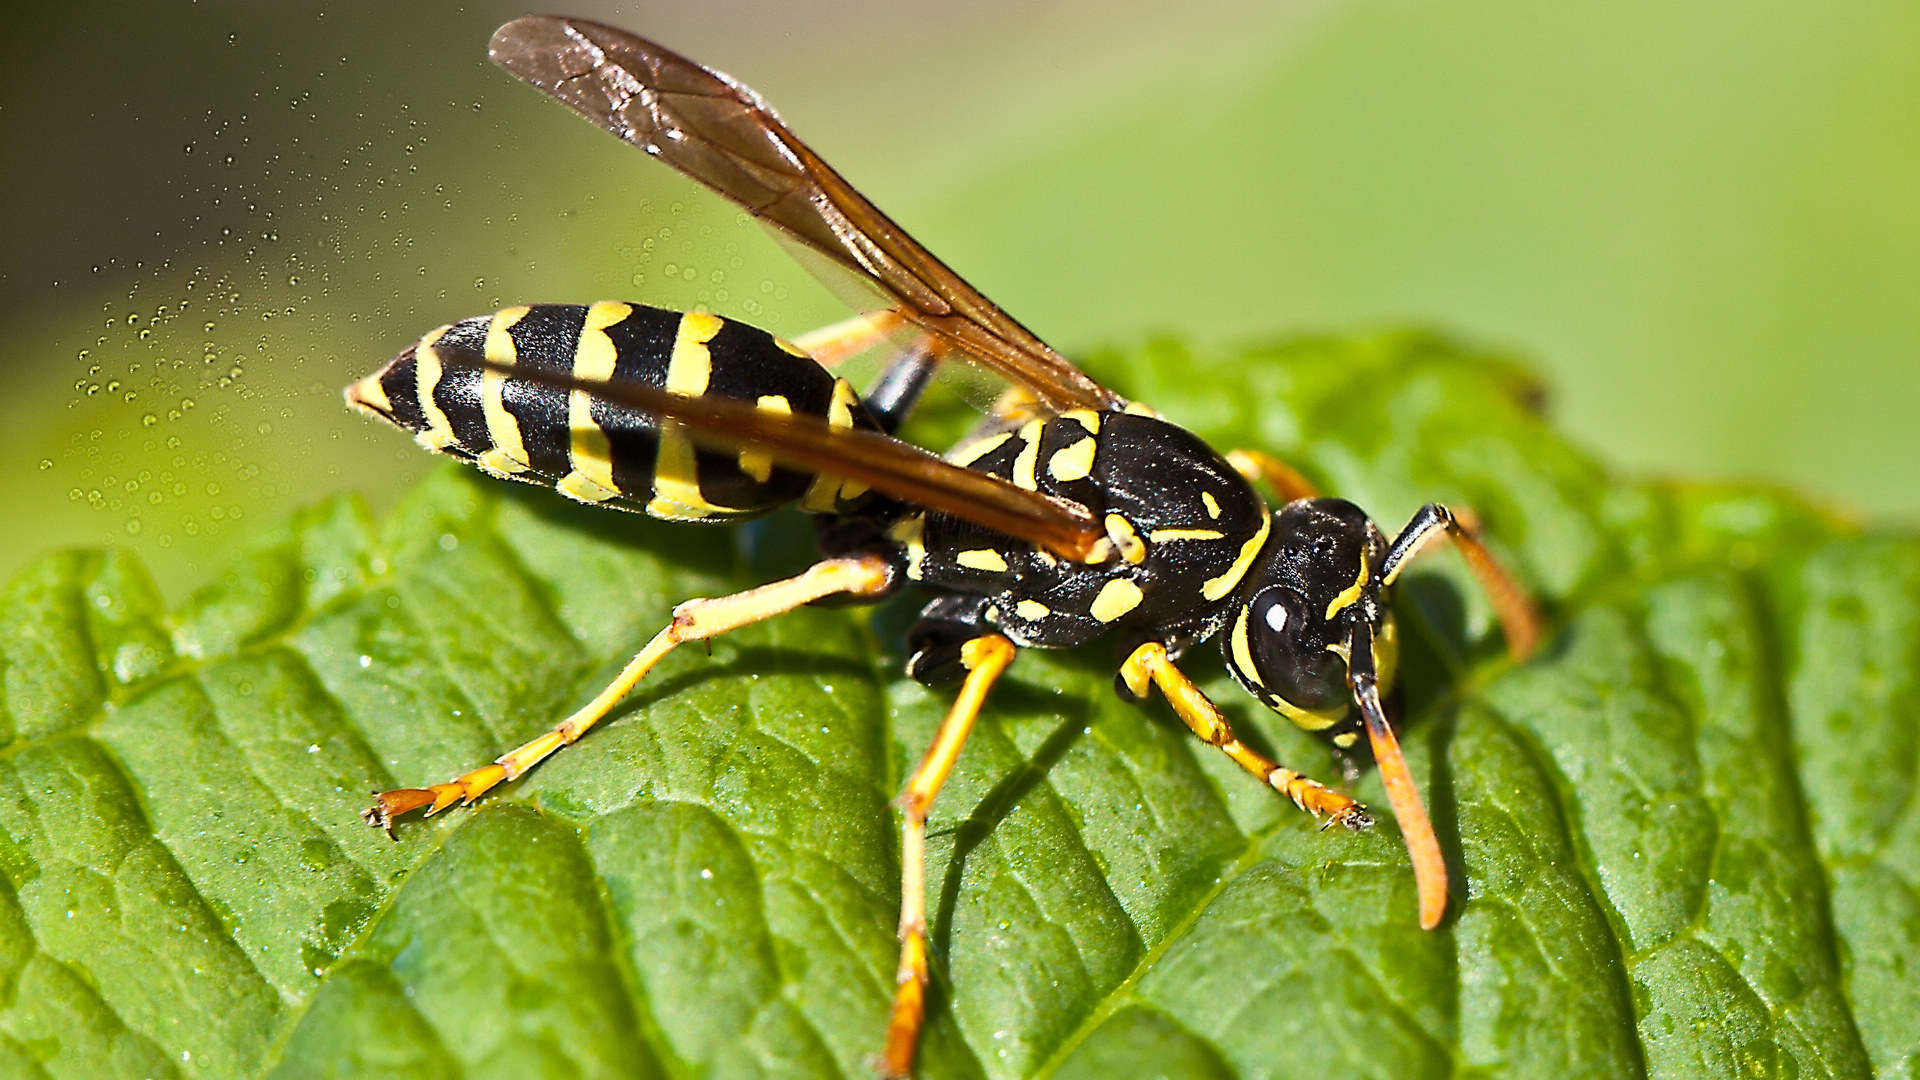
{"x":1068,"y":516}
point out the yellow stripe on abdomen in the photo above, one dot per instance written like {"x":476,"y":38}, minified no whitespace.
{"x":594,"y":356}
{"x":427,"y":372}
{"x":508,"y":455}
{"x":676,"y":473}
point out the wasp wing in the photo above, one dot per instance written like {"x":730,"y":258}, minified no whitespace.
{"x":722,"y":134}
{"x":809,"y":444}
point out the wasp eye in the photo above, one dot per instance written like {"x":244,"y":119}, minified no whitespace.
{"x":1282,"y":655}
{"x":1280,"y":610}
{"x":1277,"y":618}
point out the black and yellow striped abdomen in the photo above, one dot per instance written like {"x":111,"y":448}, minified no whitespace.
{"x":595,"y":450}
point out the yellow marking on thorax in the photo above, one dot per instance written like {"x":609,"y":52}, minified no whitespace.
{"x":1075,"y":462}
{"x":911,"y":533}
{"x":1212,"y":504}
{"x":676,"y":472}
{"x":1025,"y":465}
{"x":427,"y":372}
{"x":1135,"y":408}
{"x":967,"y":453}
{"x":591,"y":479}
{"x":982,"y":559}
{"x":758,"y":463}
{"x":1124,"y":538}
{"x":1032,"y":610}
{"x":1160,"y":536}
{"x":1116,"y":598}
{"x":1086,"y":418}
{"x":509,"y":452}
{"x":1352,"y":592}
{"x":1215,"y":588}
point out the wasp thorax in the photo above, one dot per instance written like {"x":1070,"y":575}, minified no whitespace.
{"x":1290,"y":641}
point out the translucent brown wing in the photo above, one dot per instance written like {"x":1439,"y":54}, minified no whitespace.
{"x":807,"y":443}
{"x":720,"y":133}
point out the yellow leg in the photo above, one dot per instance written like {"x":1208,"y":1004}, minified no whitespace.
{"x":830,"y":346}
{"x":866,"y":575}
{"x":1284,"y":479}
{"x":985,"y":658}
{"x":1149,"y":665}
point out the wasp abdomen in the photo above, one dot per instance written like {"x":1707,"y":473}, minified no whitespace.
{"x":592,"y":449}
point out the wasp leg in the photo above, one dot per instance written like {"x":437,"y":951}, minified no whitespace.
{"x":983,"y":658}
{"x":1284,"y":479}
{"x":861,"y":576}
{"x":894,"y":394}
{"x":1150,"y":666}
{"x":1519,"y":619}
{"x":831,"y":346}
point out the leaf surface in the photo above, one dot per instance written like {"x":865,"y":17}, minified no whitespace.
{"x":1685,"y":836}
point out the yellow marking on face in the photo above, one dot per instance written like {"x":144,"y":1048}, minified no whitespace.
{"x":1116,"y":598}
{"x":967,"y":453}
{"x":1386,"y":652}
{"x":1352,"y":592}
{"x":370,"y":396}
{"x":1074,"y":462}
{"x":509,"y":453}
{"x":1135,"y":408}
{"x":1025,"y":465}
{"x":911,"y":533}
{"x":1242,"y":647}
{"x":1305,"y":719}
{"x":758,"y":463}
{"x":427,"y":372}
{"x":1346,"y":739}
{"x":1161,"y":536}
{"x":1086,"y":418}
{"x":1032,"y":610}
{"x":1122,"y":533}
{"x":982,"y":559}
{"x":676,"y":470}
{"x":1212,"y":504}
{"x":1215,"y":588}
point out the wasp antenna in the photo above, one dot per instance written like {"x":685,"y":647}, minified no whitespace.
{"x":1416,"y":828}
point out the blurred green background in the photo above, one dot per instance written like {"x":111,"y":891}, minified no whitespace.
{"x":1699,"y":221}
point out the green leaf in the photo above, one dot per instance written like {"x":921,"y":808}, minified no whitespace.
{"x":1686,"y":836}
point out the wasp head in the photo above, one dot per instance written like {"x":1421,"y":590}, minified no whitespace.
{"x":1314,"y":640}
{"x":1315,"y":598}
